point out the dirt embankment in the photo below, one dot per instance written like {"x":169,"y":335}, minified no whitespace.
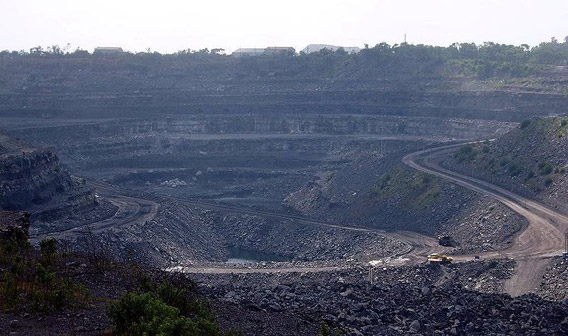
{"x":531,"y":160}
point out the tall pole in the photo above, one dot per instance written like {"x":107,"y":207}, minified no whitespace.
{"x":566,"y":241}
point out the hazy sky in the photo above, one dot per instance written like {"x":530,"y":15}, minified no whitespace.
{"x":168,"y":26}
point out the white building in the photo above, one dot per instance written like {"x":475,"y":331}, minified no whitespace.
{"x":246,"y":52}
{"x":279,"y":51}
{"x":108,"y":50}
{"x":312,"y":48}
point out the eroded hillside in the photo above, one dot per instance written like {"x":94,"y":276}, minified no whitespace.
{"x":387,"y":195}
{"x":530,"y":160}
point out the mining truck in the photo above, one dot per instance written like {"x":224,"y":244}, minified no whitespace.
{"x":439,"y":258}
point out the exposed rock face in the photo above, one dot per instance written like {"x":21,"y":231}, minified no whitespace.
{"x":14,"y":226}
{"x":133,"y":87}
{"x":131,"y":143}
{"x":32,"y":179}
{"x":306,"y":242}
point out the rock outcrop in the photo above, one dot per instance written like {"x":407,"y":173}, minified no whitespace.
{"x":33,"y":179}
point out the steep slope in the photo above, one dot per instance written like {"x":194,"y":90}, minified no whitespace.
{"x":32,"y":179}
{"x":531,"y":160}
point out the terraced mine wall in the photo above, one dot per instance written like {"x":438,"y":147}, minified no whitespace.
{"x":33,"y":179}
{"x":121,"y":139}
{"x":490,"y":105}
{"x":142,"y":86}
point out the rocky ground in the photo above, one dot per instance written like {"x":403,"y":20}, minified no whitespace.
{"x":304,"y":241}
{"x":176,"y":234}
{"x":554,"y":280}
{"x":103,"y":210}
{"x":183,"y":234}
{"x":484,"y":225}
{"x":402,"y":300}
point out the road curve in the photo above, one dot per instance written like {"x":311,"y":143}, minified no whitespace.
{"x":541,"y":239}
{"x":419,"y":245}
{"x":130,"y":210}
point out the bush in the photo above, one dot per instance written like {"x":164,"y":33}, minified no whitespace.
{"x":530,"y":175}
{"x":147,"y":314}
{"x":564,"y":122}
{"x":325,"y":330}
{"x":31,"y":280}
{"x":465,"y":153}
{"x":382,"y":183}
{"x":48,"y":249}
{"x":525,"y":123}
{"x":514,"y":169}
{"x":545,"y":168}
{"x":548,"y":181}
{"x":164,"y":309}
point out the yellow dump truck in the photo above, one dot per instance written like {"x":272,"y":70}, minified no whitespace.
{"x":439,"y":258}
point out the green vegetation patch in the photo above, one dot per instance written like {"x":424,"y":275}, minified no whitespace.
{"x":562,"y":124}
{"x":326,"y":330}
{"x":163,"y":309}
{"x":428,"y":197}
{"x":525,"y":124}
{"x":466,"y":153}
{"x":30,"y":280}
{"x":147,"y":314}
{"x":545,"y":168}
{"x":417,"y":190}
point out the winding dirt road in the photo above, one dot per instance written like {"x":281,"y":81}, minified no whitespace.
{"x":130,"y":211}
{"x":133,"y":210}
{"x":532,"y":248}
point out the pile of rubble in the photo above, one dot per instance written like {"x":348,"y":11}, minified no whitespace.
{"x":405,"y":300}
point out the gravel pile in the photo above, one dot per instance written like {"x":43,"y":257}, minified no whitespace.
{"x":484,"y":225}
{"x":554,"y":284}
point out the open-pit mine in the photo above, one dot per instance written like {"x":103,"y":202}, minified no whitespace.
{"x":294,"y":192}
